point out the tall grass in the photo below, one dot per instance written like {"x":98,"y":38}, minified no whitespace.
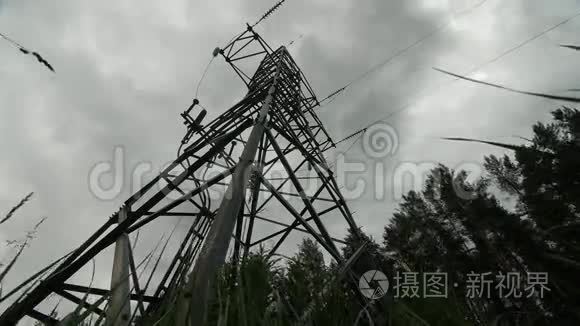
{"x":255,"y":293}
{"x":20,"y":244}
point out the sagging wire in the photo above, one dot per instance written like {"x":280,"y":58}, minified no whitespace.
{"x":495,"y":59}
{"x":24,"y":50}
{"x":217,"y":51}
{"x":399,"y":53}
{"x":332,"y":96}
{"x":196,"y":101}
{"x":204,"y":195}
{"x":203,"y":75}
{"x":484,"y":64}
{"x":385,"y":62}
{"x":512,"y":49}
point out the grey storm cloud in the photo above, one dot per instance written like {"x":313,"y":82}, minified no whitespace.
{"x":126,"y":69}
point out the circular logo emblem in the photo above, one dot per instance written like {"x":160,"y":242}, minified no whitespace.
{"x":373,"y":284}
{"x":380,"y":140}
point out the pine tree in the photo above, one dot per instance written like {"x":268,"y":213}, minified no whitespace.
{"x":306,"y":279}
{"x":545,"y":178}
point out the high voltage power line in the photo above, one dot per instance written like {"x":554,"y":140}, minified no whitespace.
{"x":269,"y":110}
{"x":493,"y":60}
{"x":399,"y":53}
{"x":360,"y":133}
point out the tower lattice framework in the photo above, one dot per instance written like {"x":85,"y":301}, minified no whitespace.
{"x":264,"y":155}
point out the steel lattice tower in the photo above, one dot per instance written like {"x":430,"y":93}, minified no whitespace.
{"x":274,"y":127}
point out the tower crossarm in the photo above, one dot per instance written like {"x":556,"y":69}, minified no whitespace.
{"x":258,"y":147}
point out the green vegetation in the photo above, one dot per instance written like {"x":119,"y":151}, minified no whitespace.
{"x":451,"y":226}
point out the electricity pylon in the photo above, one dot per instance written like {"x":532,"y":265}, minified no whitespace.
{"x":266,"y":152}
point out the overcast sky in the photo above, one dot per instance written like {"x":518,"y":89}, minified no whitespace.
{"x":125,"y":69}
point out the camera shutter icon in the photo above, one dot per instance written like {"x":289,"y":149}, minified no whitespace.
{"x":373,"y":284}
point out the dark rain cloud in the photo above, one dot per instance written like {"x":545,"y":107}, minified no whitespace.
{"x":126,"y":69}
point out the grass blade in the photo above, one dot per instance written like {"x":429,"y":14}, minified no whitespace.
{"x":506,"y":146}
{"x":569,"y":46}
{"x":503,"y":145}
{"x":15,"y":208}
{"x":13,"y":261}
{"x":548,"y":96}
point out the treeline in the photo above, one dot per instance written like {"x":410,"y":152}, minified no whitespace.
{"x":452,"y":227}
